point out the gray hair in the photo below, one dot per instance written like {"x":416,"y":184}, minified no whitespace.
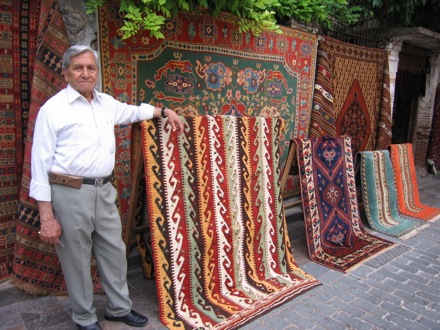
{"x":74,"y":51}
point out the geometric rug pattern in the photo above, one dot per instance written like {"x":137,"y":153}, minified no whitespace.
{"x":221,"y":250}
{"x":335,"y":234}
{"x":354,"y":83}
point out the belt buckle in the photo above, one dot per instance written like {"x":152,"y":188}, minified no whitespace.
{"x":99,"y":182}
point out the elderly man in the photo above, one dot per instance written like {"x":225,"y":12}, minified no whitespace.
{"x":73,"y":156}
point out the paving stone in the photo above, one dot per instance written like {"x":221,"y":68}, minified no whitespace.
{"x":404,"y":265}
{"x":326,"y":322}
{"x":428,"y":323}
{"x":424,"y":287}
{"x":385,"y":297}
{"x":400,"y":310}
{"x":426,"y":311}
{"x":412,"y":297}
{"x":348,"y":308}
{"x":403,"y":322}
{"x":10,"y":317}
{"x":369,"y":308}
{"x":380,"y":323}
{"x":299,"y":319}
{"x":338,"y":294}
{"x":352,"y":322}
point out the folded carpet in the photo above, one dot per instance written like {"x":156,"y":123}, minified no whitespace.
{"x":379,"y":196}
{"x":408,"y":200}
{"x":221,"y":250}
{"x":335,"y":234}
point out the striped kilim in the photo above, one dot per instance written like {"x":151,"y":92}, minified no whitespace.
{"x":402,"y":160}
{"x":335,"y":234}
{"x":379,"y":195}
{"x":221,"y":250}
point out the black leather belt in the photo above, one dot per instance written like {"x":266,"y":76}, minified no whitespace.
{"x":96,"y":181}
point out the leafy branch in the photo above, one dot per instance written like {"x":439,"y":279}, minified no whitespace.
{"x":255,"y":15}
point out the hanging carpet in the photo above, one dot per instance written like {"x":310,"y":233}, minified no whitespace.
{"x":36,"y":268}
{"x":205,"y":66}
{"x":18,"y":27}
{"x":354,"y":80}
{"x":335,"y":234}
{"x":219,"y":236}
{"x":408,"y":200}
{"x":379,"y":196}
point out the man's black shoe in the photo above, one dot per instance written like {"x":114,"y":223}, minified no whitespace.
{"x":133,"y":318}
{"x":93,"y":326}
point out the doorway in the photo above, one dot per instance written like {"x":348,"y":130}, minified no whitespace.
{"x":410,"y":85}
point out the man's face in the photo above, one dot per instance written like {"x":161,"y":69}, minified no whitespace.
{"x":82,"y":73}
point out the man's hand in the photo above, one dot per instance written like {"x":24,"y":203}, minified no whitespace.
{"x":50,"y":228}
{"x":172,"y":117}
{"x":175,"y":121}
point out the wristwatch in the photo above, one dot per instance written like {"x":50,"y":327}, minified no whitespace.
{"x":162,"y":112}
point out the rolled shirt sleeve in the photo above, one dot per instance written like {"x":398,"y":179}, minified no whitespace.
{"x":43,"y":150}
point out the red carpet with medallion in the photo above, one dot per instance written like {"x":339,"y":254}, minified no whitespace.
{"x":352,"y":95}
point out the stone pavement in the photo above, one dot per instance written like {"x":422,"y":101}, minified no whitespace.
{"x":399,"y":289}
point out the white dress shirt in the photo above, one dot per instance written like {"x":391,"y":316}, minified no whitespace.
{"x":73,"y":136}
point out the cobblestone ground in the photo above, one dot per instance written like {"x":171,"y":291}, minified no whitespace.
{"x":399,"y":289}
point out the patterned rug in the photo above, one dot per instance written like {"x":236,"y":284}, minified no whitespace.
{"x":221,"y":248}
{"x":408,"y":200}
{"x":355,"y":80}
{"x":379,"y":196}
{"x":335,"y":234}
{"x":206,"y":66}
{"x":36,"y":268}
{"x":17,"y":44}
{"x":323,"y":119}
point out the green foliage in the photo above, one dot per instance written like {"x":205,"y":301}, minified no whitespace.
{"x":256,"y":15}
{"x":403,"y":13}
{"x":326,"y":13}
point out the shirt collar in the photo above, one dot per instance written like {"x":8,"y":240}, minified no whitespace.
{"x":73,"y":94}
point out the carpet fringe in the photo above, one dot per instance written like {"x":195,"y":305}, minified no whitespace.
{"x":354,"y":267}
{"x":35,"y":291}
